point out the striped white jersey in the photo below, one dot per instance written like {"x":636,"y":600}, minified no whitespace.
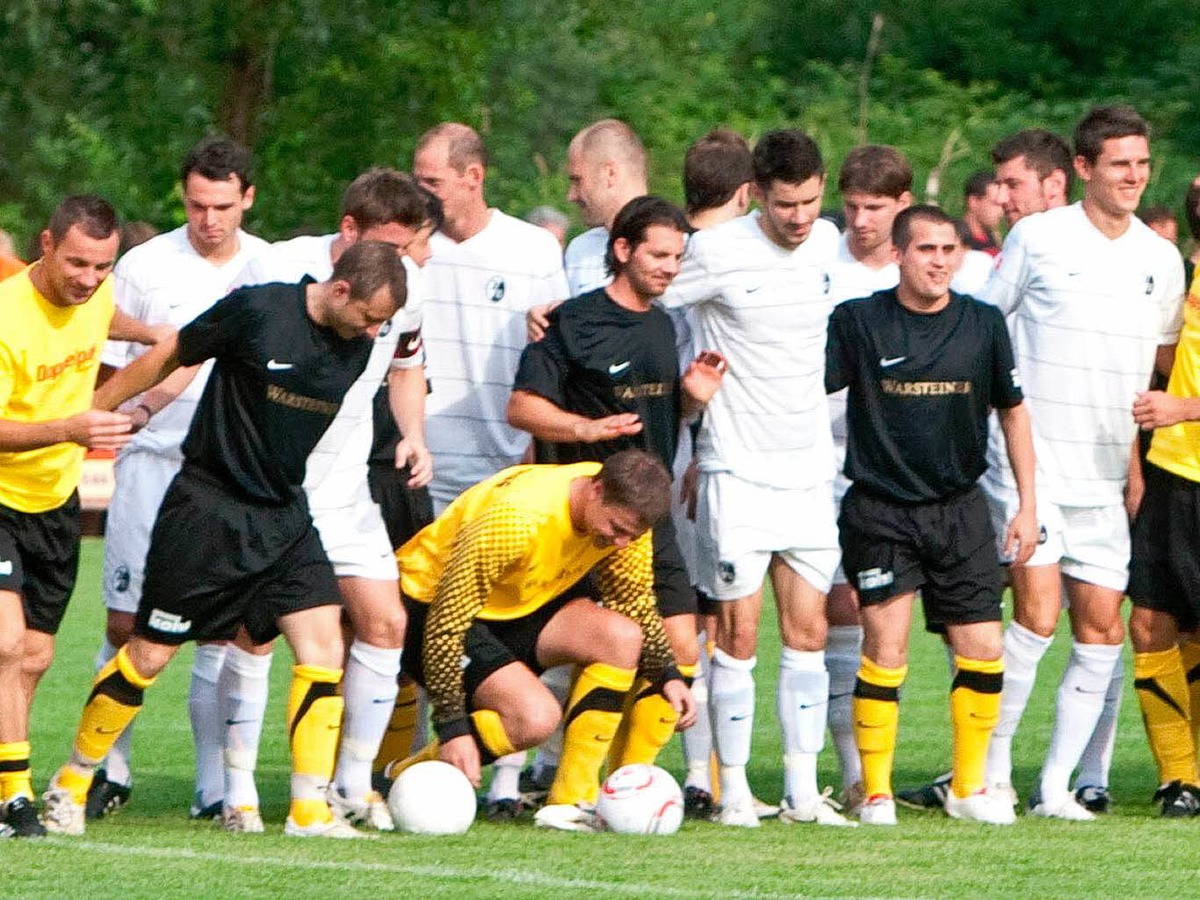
{"x":337,"y":466}
{"x":165,"y":281}
{"x":584,"y":262}
{"x":477,"y":294}
{"x":1086,"y":314}
{"x":766,"y":309}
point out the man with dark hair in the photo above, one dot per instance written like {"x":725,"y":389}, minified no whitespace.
{"x":1161,"y":221}
{"x":1081,"y":283}
{"x":982,"y":212}
{"x":170,"y":279}
{"x":914,"y":517}
{"x":760,"y":287}
{"x":606,"y":377}
{"x":1033,"y":173}
{"x":286,"y":357}
{"x":57,"y":313}
{"x":717,"y":171}
{"x":504,"y":584}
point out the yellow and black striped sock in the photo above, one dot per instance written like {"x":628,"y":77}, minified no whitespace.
{"x":647,"y":724}
{"x":1162,"y":692}
{"x":876,"y":707}
{"x":314,"y":720}
{"x":490,"y":735}
{"x":398,"y":739}
{"x":592,"y":714}
{"x":1189,"y":650}
{"x":16,"y":778}
{"x":974,"y":712}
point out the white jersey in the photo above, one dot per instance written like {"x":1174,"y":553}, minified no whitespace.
{"x":851,"y":280}
{"x":477,"y":294}
{"x":766,"y":309}
{"x":165,"y":281}
{"x":1086,"y":314}
{"x":973,"y":273}
{"x":337,"y":467}
{"x":584,"y":262}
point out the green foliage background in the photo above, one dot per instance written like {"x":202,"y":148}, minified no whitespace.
{"x":107,"y":95}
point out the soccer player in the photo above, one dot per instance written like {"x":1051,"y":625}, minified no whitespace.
{"x":760,"y":286}
{"x":379,"y":205}
{"x":170,"y":279}
{"x":982,"y":212}
{"x":606,"y":377}
{"x":1033,"y":173}
{"x":914,"y":517}
{"x":876,"y":184}
{"x":57,"y":313}
{"x":1163,"y":578}
{"x":286,"y":357}
{"x":504,"y":584}
{"x":1095,"y":284}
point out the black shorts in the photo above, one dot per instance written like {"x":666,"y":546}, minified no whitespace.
{"x":39,"y":560}
{"x":217,"y":561}
{"x":945,"y":549}
{"x":405,"y":510}
{"x":673,"y":591}
{"x":490,"y":646}
{"x":1164,"y":571}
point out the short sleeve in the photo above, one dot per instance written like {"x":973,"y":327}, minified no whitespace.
{"x":543,"y":366}
{"x":1006,"y":381}
{"x":695,"y":282}
{"x":839,"y":356}
{"x":220,"y":331}
{"x":1004,"y":288}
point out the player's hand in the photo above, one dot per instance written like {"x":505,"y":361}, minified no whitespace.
{"x":1157,"y":409}
{"x":159,"y":333}
{"x":419,"y":460}
{"x":703,"y":376}
{"x":462,"y":753}
{"x":1022,"y":537}
{"x":683,"y":701}
{"x":139,"y":416}
{"x":607,"y":429}
{"x":537,"y":320}
{"x":689,"y":487}
{"x":97,"y":429}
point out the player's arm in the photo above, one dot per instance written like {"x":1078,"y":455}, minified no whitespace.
{"x":148,"y":370}
{"x":125,"y":327}
{"x":1158,"y":409}
{"x":93,"y":428}
{"x":142,"y":409}
{"x":626,"y":583}
{"x":701,"y":382}
{"x":1022,"y":537}
{"x":406,"y":396}
{"x":1135,"y":482}
{"x":1006,"y":285}
{"x":839,"y":361}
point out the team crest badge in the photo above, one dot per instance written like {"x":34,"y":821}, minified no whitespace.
{"x":120,"y":579}
{"x":495,"y":289}
{"x":726,"y":572}
{"x":1149,"y":285}
{"x":385,"y":328}
{"x":828,"y":283}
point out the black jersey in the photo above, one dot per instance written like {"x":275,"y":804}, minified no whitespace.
{"x":921,"y":385}
{"x":600,"y":359}
{"x":278,"y":381}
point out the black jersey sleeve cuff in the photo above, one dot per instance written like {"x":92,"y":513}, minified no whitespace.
{"x":448,"y":731}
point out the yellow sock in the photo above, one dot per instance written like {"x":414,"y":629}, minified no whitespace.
{"x":116,"y":697}
{"x":314,"y":719}
{"x":16,"y":779}
{"x":1190,"y":651}
{"x":1162,"y":692}
{"x":490,"y":735}
{"x":426,"y":753}
{"x":876,"y":706}
{"x":398,"y":739}
{"x":592,"y":715}
{"x":647,"y":724}
{"x":974,"y":712}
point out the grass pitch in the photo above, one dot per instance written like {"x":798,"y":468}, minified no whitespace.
{"x":151,"y":849}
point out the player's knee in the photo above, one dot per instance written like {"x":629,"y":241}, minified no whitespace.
{"x":687,"y":653}
{"x":118,"y":628}
{"x":739,"y":639}
{"x":383,"y":631}
{"x":538,"y":721}
{"x":621,"y":641}
{"x":36,"y":660}
{"x":12,"y":641}
{"x":1041,"y":622}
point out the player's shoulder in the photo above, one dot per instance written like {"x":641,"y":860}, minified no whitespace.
{"x":160,"y":251}
{"x":585,"y":244}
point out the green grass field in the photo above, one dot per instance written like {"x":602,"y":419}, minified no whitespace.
{"x":152,"y":850}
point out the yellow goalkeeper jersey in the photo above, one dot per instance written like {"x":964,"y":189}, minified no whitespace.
{"x":1177,"y":447}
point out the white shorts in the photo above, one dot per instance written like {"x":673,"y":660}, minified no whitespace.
{"x":355,"y":539}
{"x":740,"y":525}
{"x":142,"y":479}
{"x":1088,"y":543}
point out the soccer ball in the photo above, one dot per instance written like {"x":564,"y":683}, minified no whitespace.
{"x":432,"y":797}
{"x":640,"y":799}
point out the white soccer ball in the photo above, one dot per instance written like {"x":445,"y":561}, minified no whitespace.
{"x":640,"y":799}
{"x":432,"y":797}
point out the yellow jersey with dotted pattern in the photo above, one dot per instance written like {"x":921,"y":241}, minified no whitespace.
{"x":1176,"y":448}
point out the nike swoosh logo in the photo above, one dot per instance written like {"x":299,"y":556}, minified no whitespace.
{"x":231,"y":722}
{"x":1082,"y":691}
{"x":618,"y":368}
{"x":858,"y":724}
{"x":382,"y":700}
{"x":109,"y":730}
{"x":666,"y":721}
{"x":757,"y":287}
{"x":886,"y":361}
{"x":274,"y":366}
{"x":812,"y":705}
{"x":739,"y":718}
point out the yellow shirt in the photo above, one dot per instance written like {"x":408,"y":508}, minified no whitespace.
{"x":1177,"y":448}
{"x":505,"y":548}
{"x":49,"y":357}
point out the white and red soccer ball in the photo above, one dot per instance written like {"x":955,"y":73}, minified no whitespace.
{"x":640,"y":799}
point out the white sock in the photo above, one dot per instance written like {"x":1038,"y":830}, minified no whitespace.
{"x":951,"y":665}
{"x":843,"y":650}
{"x":731,"y":706}
{"x":697,"y":741}
{"x":1078,"y":707}
{"x":369,"y":690}
{"x":558,"y":682}
{"x":208,"y":728}
{"x":242,"y":692}
{"x":116,"y":764}
{"x":1096,"y":761}
{"x":506,"y":777}
{"x":1023,"y":650}
{"x":802,"y":699}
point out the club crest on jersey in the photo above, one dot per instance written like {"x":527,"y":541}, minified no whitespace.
{"x":385,"y":328}
{"x":726,"y":572}
{"x":495,"y":289}
{"x":827,"y":283}
{"x":120,"y":579}
{"x":1149,"y":285}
